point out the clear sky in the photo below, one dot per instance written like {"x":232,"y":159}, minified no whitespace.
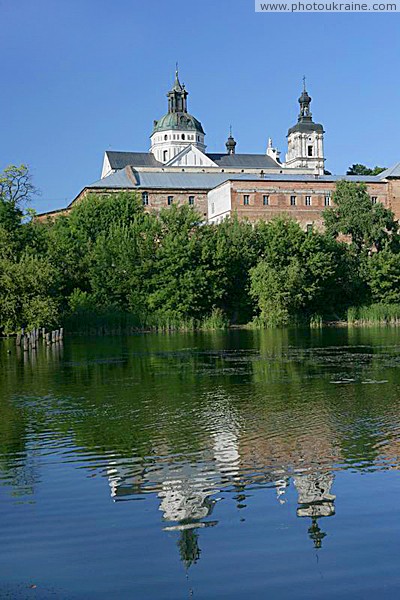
{"x":79,"y":77}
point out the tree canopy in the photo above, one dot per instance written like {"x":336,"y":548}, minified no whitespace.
{"x":110,"y":259}
{"x":358,"y":169}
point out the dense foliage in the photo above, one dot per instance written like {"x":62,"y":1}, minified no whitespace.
{"x":358,"y":169}
{"x":110,"y":262}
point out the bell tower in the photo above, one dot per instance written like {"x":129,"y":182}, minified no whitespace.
{"x":177,"y":129}
{"x":306,"y":139}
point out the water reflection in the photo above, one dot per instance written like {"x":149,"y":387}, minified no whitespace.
{"x":196,"y":421}
{"x":315,"y":501}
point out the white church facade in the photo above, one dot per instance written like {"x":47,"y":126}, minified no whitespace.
{"x":177,"y":169}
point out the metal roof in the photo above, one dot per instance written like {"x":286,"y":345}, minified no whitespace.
{"x":249,"y":161}
{"x":119,"y":160}
{"x":119,"y":179}
{"x":128,"y":178}
{"x":391,"y":172}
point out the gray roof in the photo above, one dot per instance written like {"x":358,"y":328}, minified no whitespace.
{"x":119,"y":160}
{"x":119,"y":179}
{"x":391,"y":172}
{"x":306,"y":127}
{"x":249,"y":161}
{"x":128,"y":178}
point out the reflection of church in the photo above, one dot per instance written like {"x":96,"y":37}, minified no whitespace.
{"x":315,"y":501}
{"x":187,"y":489}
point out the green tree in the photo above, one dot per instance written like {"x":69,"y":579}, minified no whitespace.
{"x":300,"y":274}
{"x":28,"y":296}
{"x":358,"y":169}
{"x":369,"y":226}
{"x":229,"y":250}
{"x":72,"y":237}
{"x":178,"y":286}
{"x":278,"y":291}
{"x":383,"y":276}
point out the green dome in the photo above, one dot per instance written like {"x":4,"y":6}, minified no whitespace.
{"x":178,"y":120}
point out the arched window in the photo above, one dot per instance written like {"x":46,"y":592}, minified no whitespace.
{"x":145,"y":198}
{"x":183,"y":136}
{"x":165,"y":137}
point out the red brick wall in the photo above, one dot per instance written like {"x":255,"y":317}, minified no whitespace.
{"x":279,"y":193}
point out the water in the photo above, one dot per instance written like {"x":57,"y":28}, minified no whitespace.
{"x":207,"y":466}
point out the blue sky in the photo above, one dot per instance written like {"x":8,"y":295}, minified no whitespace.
{"x":83,"y":76}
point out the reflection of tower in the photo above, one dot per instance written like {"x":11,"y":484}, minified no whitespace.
{"x":315,"y":533}
{"x":188,"y":545}
{"x":315,"y":501}
{"x":281,"y":485}
{"x":185,"y":497}
{"x":225,"y":433}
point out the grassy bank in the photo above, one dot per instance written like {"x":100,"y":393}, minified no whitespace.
{"x":114,"y":322}
{"x":375,"y":314}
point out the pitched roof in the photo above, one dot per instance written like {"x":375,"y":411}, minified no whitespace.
{"x":119,"y":160}
{"x":249,"y":161}
{"x":391,"y":172}
{"x":121,"y":179}
{"x":128,"y":178}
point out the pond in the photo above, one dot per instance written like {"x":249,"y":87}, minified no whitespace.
{"x":240,"y":464}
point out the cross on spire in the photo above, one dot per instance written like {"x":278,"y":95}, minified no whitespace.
{"x":304,"y":83}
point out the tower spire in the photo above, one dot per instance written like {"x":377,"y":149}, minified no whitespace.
{"x":177,"y":95}
{"x":305,"y":139}
{"x":231,"y":143}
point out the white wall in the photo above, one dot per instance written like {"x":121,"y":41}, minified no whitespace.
{"x":219,"y":203}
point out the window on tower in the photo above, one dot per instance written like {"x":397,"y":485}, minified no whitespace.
{"x":165,"y":154}
{"x":183,"y":136}
{"x":310,"y":150}
{"x":165,"y":137}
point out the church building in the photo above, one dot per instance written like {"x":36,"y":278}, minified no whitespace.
{"x":177,"y":169}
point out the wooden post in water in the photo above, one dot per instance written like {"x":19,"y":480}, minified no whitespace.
{"x":18,"y":340}
{"x":61,"y":334}
{"x":47,"y":339}
{"x":26,"y":343}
